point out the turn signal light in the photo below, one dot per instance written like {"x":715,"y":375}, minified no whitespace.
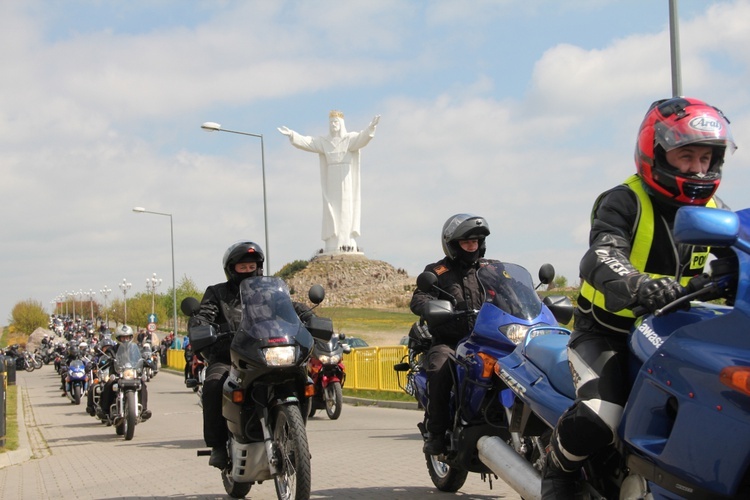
{"x":309,"y":390}
{"x":238,"y":396}
{"x":489,"y":364}
{"x":737,"y":378}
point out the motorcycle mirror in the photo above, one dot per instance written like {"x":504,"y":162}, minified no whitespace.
{"x":425,"y":281}
{"x":316,"y":294}
{"x":546,"y":274}
{"x":190,"y":306}
{"x":342,"y":336}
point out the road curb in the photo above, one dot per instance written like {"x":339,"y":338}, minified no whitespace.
{"x":404,"y":405}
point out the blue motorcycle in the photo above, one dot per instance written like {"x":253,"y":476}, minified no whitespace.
{"x":685,"y":431}
{"x":76,"y":381}
{"x":511,"y":307}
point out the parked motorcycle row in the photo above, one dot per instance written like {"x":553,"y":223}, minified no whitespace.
{"x":690,"y":369}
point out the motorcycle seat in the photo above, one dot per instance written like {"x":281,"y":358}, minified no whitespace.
{"x":550,"y":354}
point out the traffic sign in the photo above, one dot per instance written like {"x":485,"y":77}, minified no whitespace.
{"x":152,"y":318}
{"x":151,"y":327}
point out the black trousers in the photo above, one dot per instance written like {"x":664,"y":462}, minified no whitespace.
{"x":439,"y":383}
{"x":214,"y":423}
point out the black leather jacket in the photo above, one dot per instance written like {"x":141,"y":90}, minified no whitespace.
{"x":221,"y":305}
{"x":460,"y":282}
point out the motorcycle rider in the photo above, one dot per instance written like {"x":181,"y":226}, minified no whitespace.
{"x":633,"y":261}
{"x":106,"y":347}
{"x":124,"y":336}
{"x":221,"y":305}
{"x":463,"y":244}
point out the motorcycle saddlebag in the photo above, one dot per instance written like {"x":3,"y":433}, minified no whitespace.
{"x":201,"y":336}
{"x":420,"y":338}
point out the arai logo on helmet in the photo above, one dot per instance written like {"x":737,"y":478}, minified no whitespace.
{"x":705,"y":124}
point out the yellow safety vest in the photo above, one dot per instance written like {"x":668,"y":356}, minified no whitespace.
{"x":640,"y":250}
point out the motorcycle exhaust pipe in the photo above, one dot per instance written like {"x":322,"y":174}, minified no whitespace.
{"x":509,"y":466}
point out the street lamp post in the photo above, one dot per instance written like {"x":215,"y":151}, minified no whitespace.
{"x":151,"y":284}
{"x":214,"y":127}
{"x":65,"y":298}
{"x":125,"y":286}
{"x":90,"y":295}
{"x":72,"y":295}
{"x":142,"y":210}
{"x":105,"y":293}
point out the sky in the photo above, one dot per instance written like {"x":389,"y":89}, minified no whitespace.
{"x":521,"y":111}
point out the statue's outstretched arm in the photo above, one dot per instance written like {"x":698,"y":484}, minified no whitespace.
{"x":374,"y":121}
{"x":284,"y":130}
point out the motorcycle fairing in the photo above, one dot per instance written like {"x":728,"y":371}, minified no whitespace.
{"x":678,"y":392}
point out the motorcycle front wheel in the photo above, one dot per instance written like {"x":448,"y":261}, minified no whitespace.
{"x":38,"y":362}
{"x":445,"y":477}
{"x":131,"y":410}
{"x":28,"y":365}
{"x":76,"y":389}
{"x":334,"y":398}
{"x":290,"y":446}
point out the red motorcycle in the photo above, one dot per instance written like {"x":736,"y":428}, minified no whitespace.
{"x":326,"y":369}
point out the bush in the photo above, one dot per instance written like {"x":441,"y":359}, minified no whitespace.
{"x":29,"y":315}
{"x":289,"y":270}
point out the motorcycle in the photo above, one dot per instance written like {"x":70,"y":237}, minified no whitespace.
{"x":326,"y":369}
{"x":198,"y":376}
{"x":125,"y":412}
{"x":150,"y":366}
{"x":511,"y":307}
{"x":76,"y":381}
{"x":265,"y":392}
{"x":685,"y":431}
{"x":38,"y":359}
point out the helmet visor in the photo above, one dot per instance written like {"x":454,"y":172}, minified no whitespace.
{"x":704,"y":129}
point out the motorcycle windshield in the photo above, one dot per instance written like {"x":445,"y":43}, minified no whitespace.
{"x":267,"y":310}
{"x":509,"y":287}
{"x":127,"y":354}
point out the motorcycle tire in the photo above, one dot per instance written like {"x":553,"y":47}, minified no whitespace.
{"x":76,"y":390}
{"x":445,"y":477}
{"x":293,"y":454}
{"x":333,"y":399}
{"x":234,"y":489}
{"x":28,"y":365}
{"x":38,"y":362}
{"x":131,"y":410}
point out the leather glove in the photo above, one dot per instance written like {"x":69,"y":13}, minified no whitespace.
{"x":655,"y":294}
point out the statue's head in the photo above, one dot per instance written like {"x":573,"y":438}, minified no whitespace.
{"x":336,"y":122}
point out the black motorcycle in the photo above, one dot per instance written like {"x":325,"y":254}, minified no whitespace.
{"x":265,"y":395}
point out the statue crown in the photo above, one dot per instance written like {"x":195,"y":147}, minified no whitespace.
{"x":336,"y":114}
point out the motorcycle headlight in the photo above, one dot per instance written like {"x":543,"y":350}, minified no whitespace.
{"x":325,"y":359}
{"x":514,"y":332}
{"x":279,"y":356}
{"x":335,"y":359}
{"x":128,"y":373}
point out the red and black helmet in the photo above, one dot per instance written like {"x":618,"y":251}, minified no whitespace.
{"x":242,"y":251}
{"x":673,"y":123}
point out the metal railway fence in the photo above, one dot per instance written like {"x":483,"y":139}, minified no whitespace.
{"x":367,"y":368}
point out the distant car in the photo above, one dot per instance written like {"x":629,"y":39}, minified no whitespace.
{"x":355,"y":342}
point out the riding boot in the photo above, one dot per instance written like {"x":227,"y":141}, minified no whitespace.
{"x":557,"y":483}
{"x":435,"y":444}
{"x":219,"y":457}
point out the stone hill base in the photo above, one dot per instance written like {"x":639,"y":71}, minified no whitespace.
{"x":353,"y":280}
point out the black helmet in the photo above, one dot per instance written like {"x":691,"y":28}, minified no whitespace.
{"x":463,"y":227}
{"x":242,"y":251}
{"x":106,"y":343}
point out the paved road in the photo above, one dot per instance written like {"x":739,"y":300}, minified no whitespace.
{"x":368,"y":453}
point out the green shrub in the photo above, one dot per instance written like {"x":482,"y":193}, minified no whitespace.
{"x":29,"y":315}
{"x":289,"y":270}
